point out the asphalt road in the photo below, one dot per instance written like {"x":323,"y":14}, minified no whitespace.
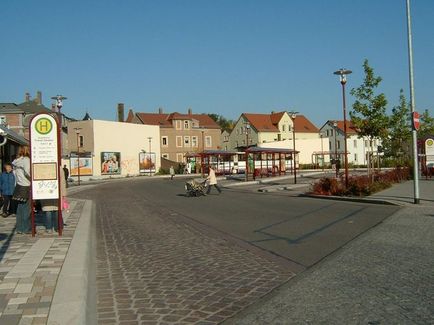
{"x":301,"y":230}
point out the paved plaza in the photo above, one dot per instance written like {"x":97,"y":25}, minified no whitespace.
{"x":29,"y":269}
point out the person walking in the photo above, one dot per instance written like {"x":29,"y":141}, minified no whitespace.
{"x":22,"y":189}
{"x":7,"y":187}
{"x":172,"y":172}
{"x":212,"y":180}
{"x":66,"y":173}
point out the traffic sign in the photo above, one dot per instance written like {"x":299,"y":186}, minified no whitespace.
{"x":416,"y":121}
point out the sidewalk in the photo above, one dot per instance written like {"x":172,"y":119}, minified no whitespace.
{"x":30,"y":268}
{"x":383,"y":277}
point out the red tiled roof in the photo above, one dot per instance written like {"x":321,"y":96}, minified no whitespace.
{"x":269,"y":122}
{"x":350,"y":127}
{"x":165,"y":120}
{"x":303,"y":125}
{"x":261,"y":122}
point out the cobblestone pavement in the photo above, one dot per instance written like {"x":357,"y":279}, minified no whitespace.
{"x":383,"y":277}
{"x":153,"y":268}
{"x":29,"y":268}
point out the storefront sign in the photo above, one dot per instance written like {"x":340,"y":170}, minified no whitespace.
{"x":44,"y":157}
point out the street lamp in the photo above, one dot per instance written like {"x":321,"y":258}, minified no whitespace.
{"x":77,"y":130}
{"x":335,"y":125}
{"x":412,"y":107}
{"x":293,"y":115}
{"x":321,"y":135}
{"x":247,"y":134}
{"x":342,"y":73}
{"x":150,"y":157}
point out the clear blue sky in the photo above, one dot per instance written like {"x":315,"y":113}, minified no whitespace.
{"x":225,"y":56}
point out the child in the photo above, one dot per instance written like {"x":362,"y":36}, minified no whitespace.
{"x":7,"y":187}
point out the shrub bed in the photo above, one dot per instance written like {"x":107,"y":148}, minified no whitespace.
{"x":360,"y":185}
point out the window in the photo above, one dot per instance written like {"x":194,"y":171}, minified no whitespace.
{"x":165,"y":155}
{"x":194,"y":141}
{"x":243,"y":142}
{"x":178,"y":141}
{"x":226,"y":138}
{"x":355,"y":145}
{"x":331,"y":133}
{"x":164,"y":141}
{"x":355,"y":157}
{"x":187,"y":141}
{"x":339,"y":144}
{"x":366,"y":143}
{"x":80,"y":141}
{"x":330,"y":145}
{"x":3,"y":120}
{"x":186,"y":125}
{"x":327,"y":132}
{"x":208,"y":141}
{"x":178,"y":125}
{"x":283,"y":128}
{"x":180,"y":157}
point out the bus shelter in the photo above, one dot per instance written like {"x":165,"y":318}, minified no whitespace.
{"x":269,"y":162}
{"x":224,"y":161}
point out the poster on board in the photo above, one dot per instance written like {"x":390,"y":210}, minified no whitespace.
{"x":86,"y":166}
{"x":110,"y":163}
{"x":147,"y":162}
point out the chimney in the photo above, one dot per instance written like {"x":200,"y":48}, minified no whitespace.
{"x":272,"y":112}
{"x":160,"y":110}
{"x":121,"y":112}
{"x":39,"y":97}
{"x":27,"y":97}
{"x":190,"y":111}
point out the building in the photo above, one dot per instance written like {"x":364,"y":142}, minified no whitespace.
{"x":357,"y":147}
{"x":254,"y":129}
{"x":181,"y":134}
{"x":109,"y":149}
{"x":16,"y":117}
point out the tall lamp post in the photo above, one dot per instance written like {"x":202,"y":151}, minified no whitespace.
{"x":321,"y":135}
{"x":150,"y":157}
{"x":335,"y":124}
{"x":342,"y":73}
{"x":412,"y":107}
{"x":247,"y":129}
{"x":293,"y":115}
{"x":77,"y":131}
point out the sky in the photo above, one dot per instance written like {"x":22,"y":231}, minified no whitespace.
{"x":215,"y":56}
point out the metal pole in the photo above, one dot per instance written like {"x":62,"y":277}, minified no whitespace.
{"x":412,"y":108}
{"x":150,"y":158}
{"x":294,"y":154}
{"x":345,"y":133}
{"x":322,"y":152}
{"x":336,"y":151}
{"x":78,"y":157}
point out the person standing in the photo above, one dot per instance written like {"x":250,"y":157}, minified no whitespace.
{"x":66,"y":173}
{"x":172,"y":172}
{"x":22,"y":189}
{"x":212,"y":180}
{"x":7,"y":187}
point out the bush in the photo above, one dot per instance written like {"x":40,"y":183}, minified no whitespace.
{"x":361,"y":185}
{"x":163,"y":171}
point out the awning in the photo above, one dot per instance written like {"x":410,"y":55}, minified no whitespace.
{"x":13,"y":136}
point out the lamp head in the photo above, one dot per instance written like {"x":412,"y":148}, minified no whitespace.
{"x":342,"y":73}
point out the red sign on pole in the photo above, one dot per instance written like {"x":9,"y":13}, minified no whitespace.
{"x":416,"y":122}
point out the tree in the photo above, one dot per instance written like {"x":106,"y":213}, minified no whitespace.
{"x":224,"y":123}
{"x":399,"y":129}
{"x":369,"y":110}
{"x":426,"y":125}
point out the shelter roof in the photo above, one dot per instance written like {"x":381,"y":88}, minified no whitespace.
{"x":270,"y":150}
{"x":12,"y":135}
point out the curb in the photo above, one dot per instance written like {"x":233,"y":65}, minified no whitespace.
{"x":74,"y":297}
{"x":351,"y":199}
